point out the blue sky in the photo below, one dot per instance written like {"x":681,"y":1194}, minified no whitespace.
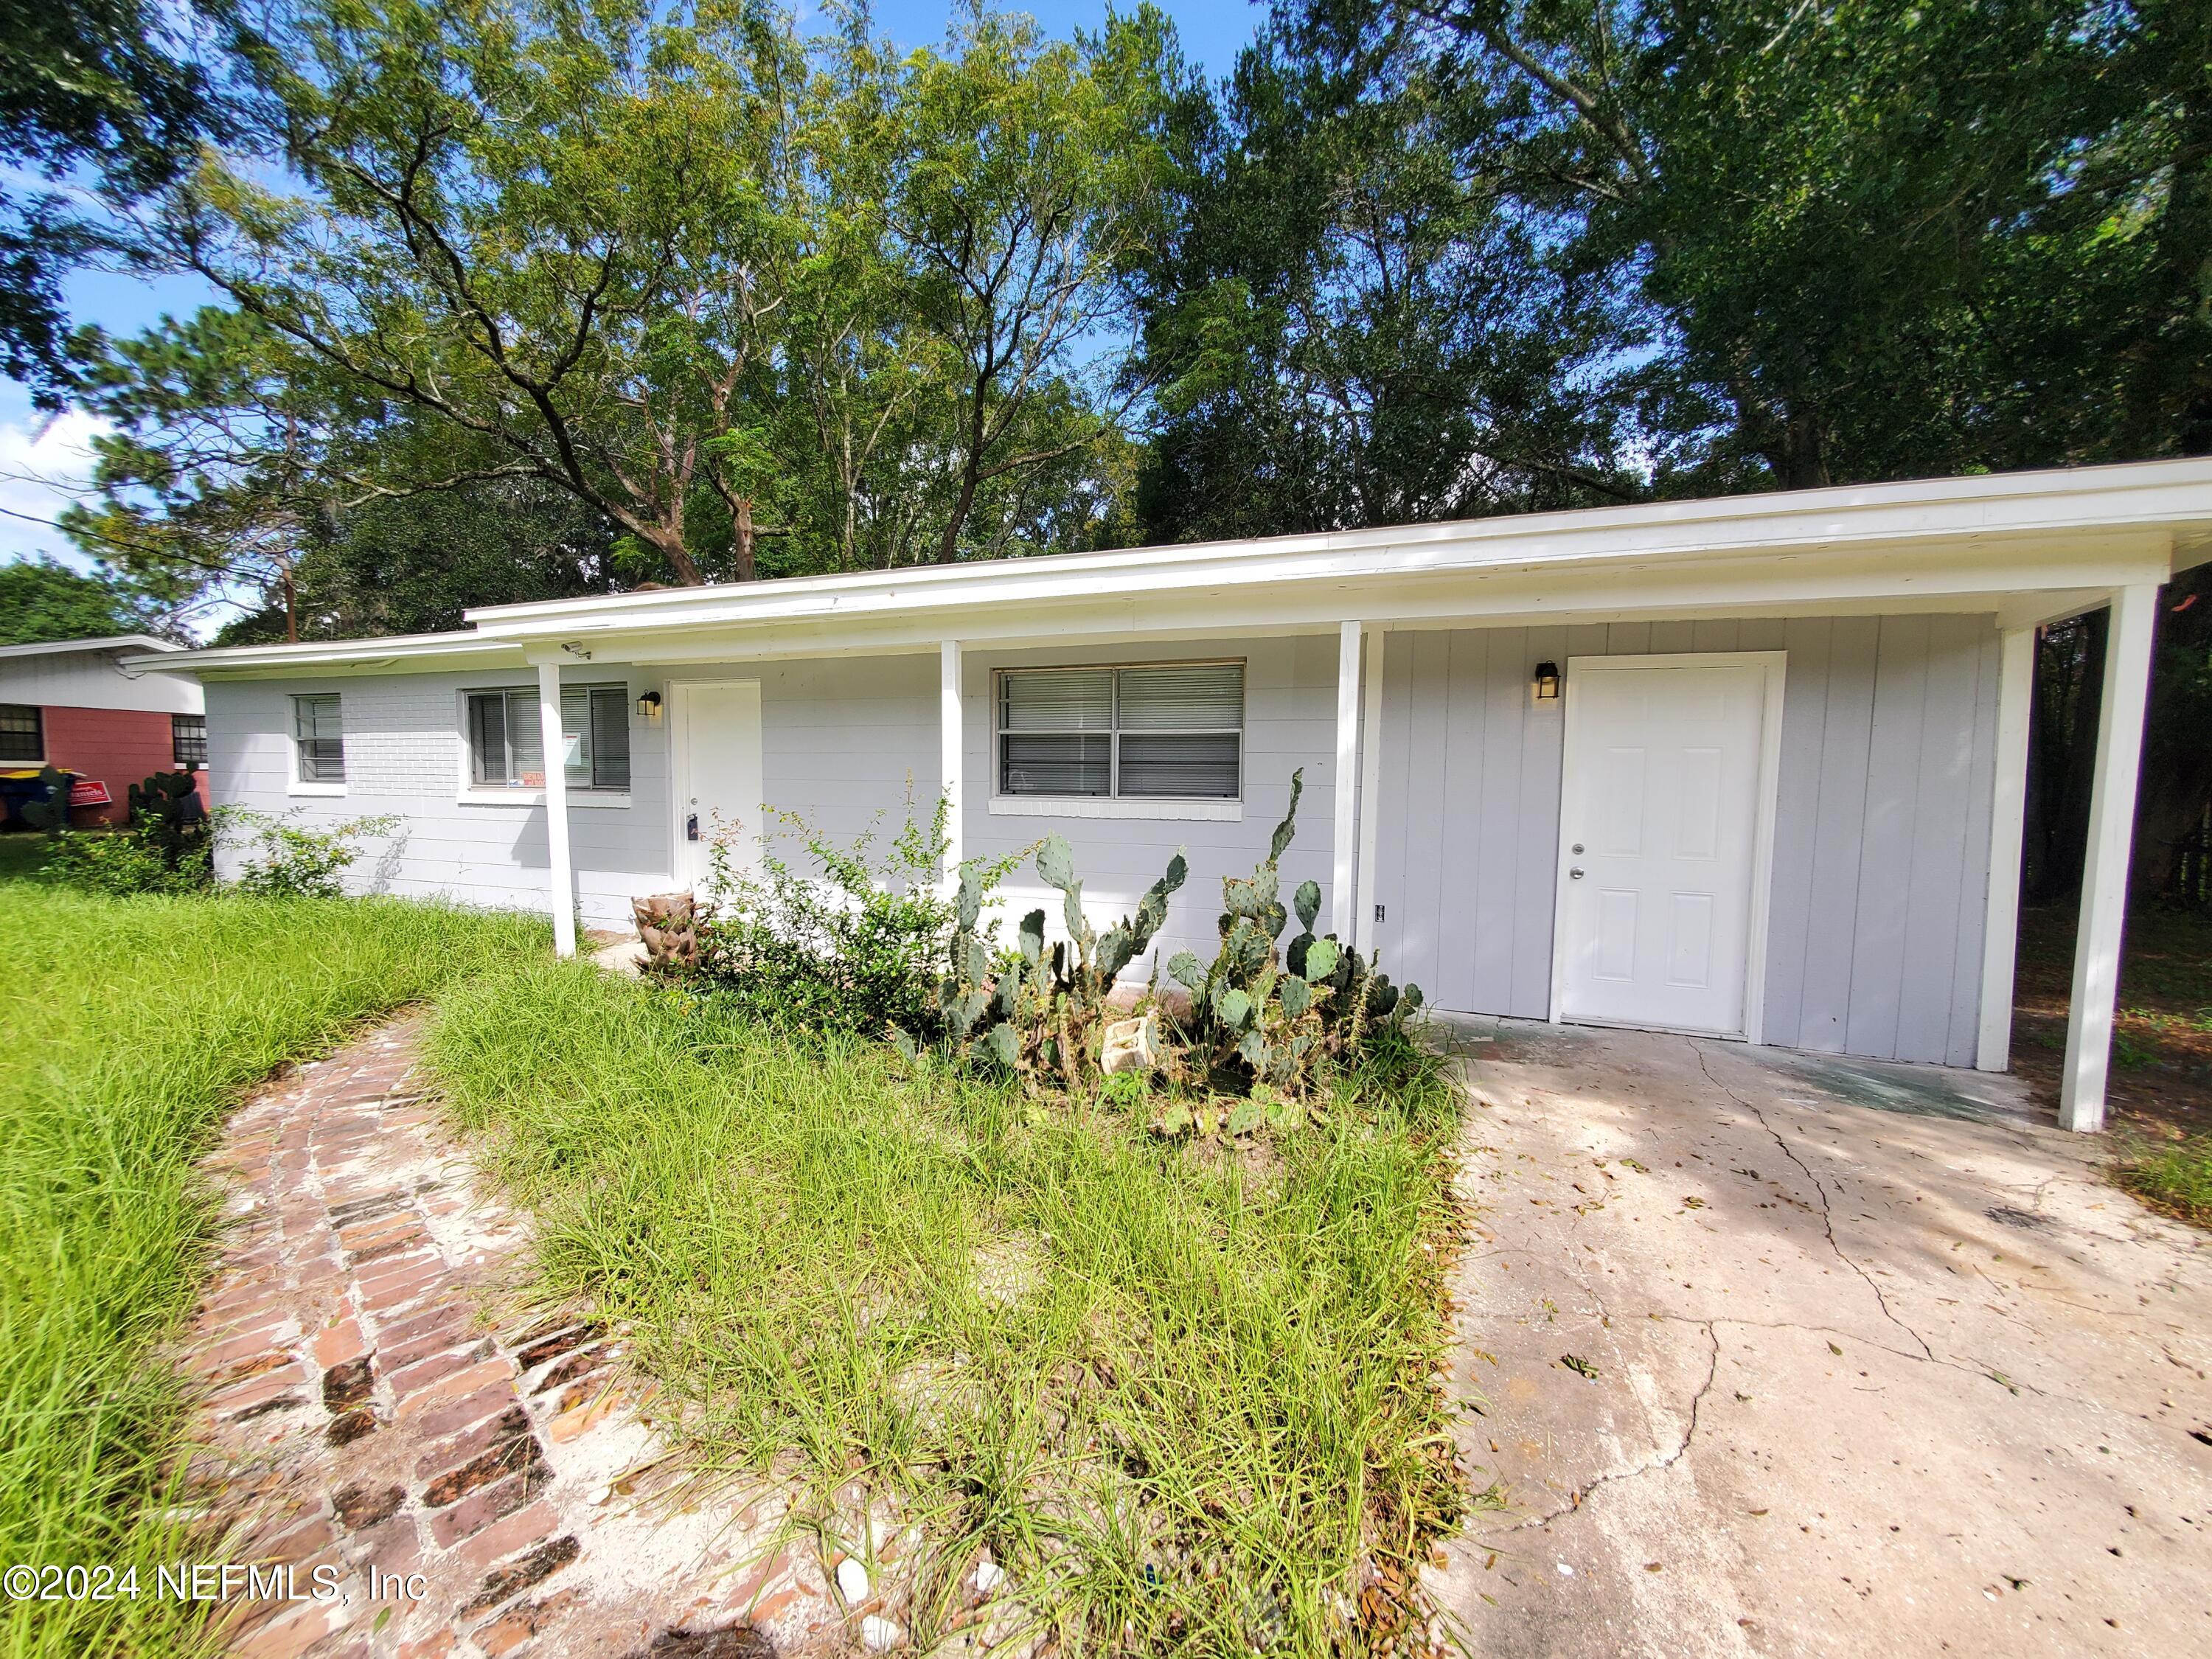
{"x":42,"y":460}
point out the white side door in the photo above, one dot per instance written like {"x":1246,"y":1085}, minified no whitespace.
{"x":716,"y":735}
{"x":1660,"y":844}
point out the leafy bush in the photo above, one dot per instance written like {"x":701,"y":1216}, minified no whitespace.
{"x":850,"y":945}
{"x":164,"y":849}
{"x":290,"y":860}
{"x":124,"y":861}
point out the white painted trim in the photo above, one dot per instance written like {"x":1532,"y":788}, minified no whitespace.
{"x":2105,"y":869}
{"x":1162,"y":809}
{"x":560,"y":876}
{"x":1776,"y":666}
{"x":1344,"y":844}
{"x":530,"y":797}
{"x":953,"y":755}
{"x":1977,"y":511}
{"x":1370,"y":790}
{"x":311,"y":790}
{"x":2008,"y":824}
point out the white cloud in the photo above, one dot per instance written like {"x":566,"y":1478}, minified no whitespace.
{"x":46,"y":464}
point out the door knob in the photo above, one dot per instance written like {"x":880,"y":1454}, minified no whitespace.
{"x":1577,"y":872}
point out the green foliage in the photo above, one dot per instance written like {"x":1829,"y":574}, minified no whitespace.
{"x":847,"y":944}
{"x":104,"y":102}
{"x":2174,"y":1176}
{"x":131,"y":860}
{"x":130,"y":1028}
{"x":1189,"y":1409}
{"x":42,"y":600}
{"x":280,"y":857}
{"x":751,"y":302}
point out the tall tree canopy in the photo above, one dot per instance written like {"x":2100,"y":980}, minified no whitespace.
{"x":102,"y":103}
{"x":760,"y":303}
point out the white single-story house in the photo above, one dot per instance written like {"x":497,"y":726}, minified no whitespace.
{"x":1750,"y":768}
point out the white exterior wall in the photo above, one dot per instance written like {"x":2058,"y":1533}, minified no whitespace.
{"x":406,"y":754}
{"x":90,"y":680}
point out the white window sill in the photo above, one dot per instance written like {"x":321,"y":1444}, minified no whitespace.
{"x":537,"y":797}
{"x":1120,"y":806}
{"x":326,"y":791}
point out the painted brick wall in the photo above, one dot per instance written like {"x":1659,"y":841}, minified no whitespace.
{"x":118,"y":746}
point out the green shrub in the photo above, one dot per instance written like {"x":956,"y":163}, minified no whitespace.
{"x":126,"y":861}
{"x":289,"y":860}
{"x":851,"y":946}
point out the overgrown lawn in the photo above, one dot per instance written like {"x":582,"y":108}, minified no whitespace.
{"x":126,"y":1028}
{"x":1181,"y":1394}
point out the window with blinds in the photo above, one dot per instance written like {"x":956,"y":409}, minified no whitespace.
{"x":22,"y":733}
{"x":318,"y":734}
{"x":506,"y":748}
{"x":1175,"y":731}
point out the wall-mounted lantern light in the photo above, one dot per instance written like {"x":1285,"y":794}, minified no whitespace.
{"x":1547,"y":682}
{"x":649,"y":705}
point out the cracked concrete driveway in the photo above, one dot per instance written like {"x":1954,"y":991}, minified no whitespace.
{"x":1773,"y":1354}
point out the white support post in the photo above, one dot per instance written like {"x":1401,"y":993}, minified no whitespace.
{"x":1345,"y":847}
{"x":952,"y":753}
{"x":1370,"y":789}
{"x":562,"y":879}
{"x":2008,"y":821}
{"x":2105,"y":870}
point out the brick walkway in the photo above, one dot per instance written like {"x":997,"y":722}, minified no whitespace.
{"x":379,"y":1407}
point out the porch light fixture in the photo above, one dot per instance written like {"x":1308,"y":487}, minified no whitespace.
{"x":1547,"y":682}
{"x":649,"y":705}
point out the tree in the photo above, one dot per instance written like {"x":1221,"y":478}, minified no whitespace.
{"x":106,"y":102}
{"x":1351,"y":327}
{"x":42,"y":600}
{"x":717,"y":283}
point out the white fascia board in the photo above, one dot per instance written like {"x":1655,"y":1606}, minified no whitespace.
{"x":2160,"y":497}
{"x":133,"y":642}
{"x":401,"y":654}
{"x":1825,"y":581}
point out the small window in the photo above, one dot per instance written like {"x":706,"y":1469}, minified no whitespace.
{"x":187,"y":740}
{"x":22,"y":736}
{"x":320,"y":736}
{"x":1172,"y":731}
{"x":507,"y":748}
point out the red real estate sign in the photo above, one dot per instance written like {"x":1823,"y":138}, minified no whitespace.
{"x":89,"y":792}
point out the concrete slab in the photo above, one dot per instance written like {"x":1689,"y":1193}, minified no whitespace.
{"x":1778,"y":1354}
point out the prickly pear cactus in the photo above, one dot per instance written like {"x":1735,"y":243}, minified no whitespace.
{"x":166,"y":810}
{"x":51,"y":811}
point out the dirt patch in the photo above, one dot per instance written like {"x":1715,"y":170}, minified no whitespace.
{"x":2160,"y":1084}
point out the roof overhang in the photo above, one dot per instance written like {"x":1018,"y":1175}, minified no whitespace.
{"x":405,"y":654}
{"x":2025,"y":546}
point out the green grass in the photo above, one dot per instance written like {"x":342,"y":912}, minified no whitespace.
{"x":126,"y":1028}
{"x":1181,"y":1393}
{"x":2174,"y":1176}
{"x":22,"y":855}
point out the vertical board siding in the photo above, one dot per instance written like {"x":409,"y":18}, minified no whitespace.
{"x":1881,"y":830}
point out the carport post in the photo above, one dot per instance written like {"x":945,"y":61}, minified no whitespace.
{"x":1346,"y":845}
{"x":2105,"y":870}
{"x":952,"y":747}
{"x":2008,"y":820}
{"x":561,"y":876}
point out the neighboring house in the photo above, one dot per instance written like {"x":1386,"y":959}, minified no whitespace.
{"x":106,"y":709}
{"x":1747,"y":767}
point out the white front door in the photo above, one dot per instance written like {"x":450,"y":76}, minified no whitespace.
{"x":1659,"y":844}
{"x":716,"y":735}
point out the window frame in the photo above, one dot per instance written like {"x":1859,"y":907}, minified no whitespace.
{"x":38,"y":714}
{"x":305,"y":781}
{"x":1114,"y":803}
{"x":476,"y":789}
{"x":179,"y":740}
